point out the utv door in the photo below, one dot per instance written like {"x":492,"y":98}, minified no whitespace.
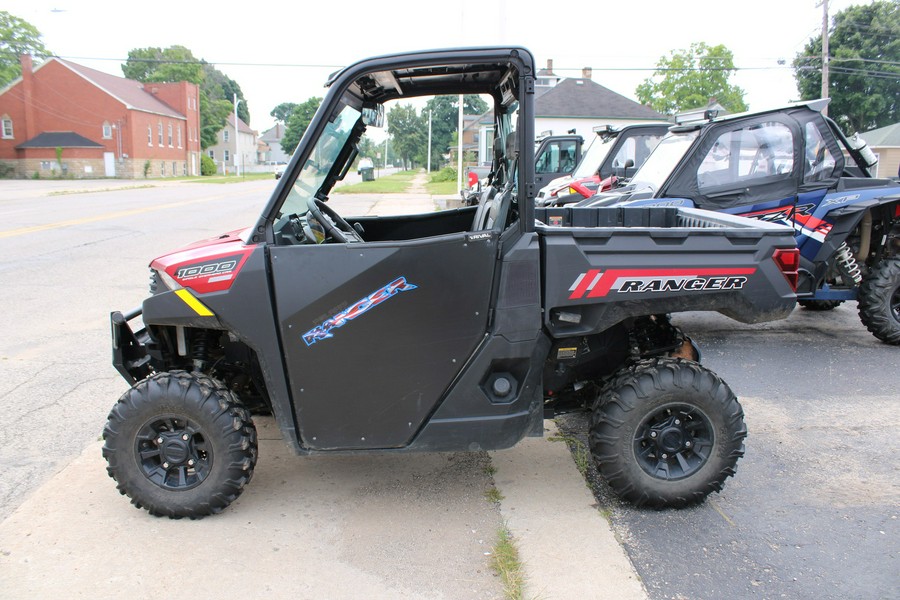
{"x":373,"y":334}
{"x":556,"y":156}
{"x":747,"y":167}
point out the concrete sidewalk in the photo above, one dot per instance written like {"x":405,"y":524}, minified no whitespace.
{"x":390,"y":526}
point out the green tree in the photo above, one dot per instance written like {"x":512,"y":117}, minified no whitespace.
{"x":283,"y":111}
{"x":17,"y":37}
{"x":213,"y":116}
{"x":368,"y":148}
{"x":297,"y":123}
{"x":408,"y":134}
{"x":177,"y":63}
{"x":864,"y":66}
{"x":445,"y":122}
{"x":687,"y":79}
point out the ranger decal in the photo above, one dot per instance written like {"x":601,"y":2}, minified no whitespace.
{"x":596,"y":283}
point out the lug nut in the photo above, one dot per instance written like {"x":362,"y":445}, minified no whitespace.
{"x":159,"y":440}
{"x":191,"y":462}
{"x":665,"y":456}
{"x":687,"y":444}
{"x":185,"y":437}
{"x":653,"y":434}
{"x":165,"y":465}
{"x":677,"y":422}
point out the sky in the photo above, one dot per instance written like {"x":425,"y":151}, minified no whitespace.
{"x":284,"y":52}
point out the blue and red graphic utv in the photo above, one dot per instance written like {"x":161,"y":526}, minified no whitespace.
{"x":791,"y":165}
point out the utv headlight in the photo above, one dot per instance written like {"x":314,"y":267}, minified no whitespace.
{"x":160,"y":281}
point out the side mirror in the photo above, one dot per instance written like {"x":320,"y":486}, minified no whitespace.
{"x":629,"y":163}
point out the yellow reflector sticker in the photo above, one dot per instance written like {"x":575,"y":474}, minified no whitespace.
{"x":195,"y":304}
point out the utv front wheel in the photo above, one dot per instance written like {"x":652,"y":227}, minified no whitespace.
{"x":666,"y":433}
{"x":180,"y":445}
{"x":879,"y":301}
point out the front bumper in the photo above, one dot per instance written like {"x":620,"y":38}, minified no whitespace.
{"x":130,"y":356}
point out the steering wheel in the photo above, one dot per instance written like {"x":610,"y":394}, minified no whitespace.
{"x":335,"y":225}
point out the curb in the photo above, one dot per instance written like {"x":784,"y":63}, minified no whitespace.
{"x":568,"y":548}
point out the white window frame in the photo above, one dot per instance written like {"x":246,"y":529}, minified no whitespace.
{"x":8,"y":130}
{"x":107,"y":130}
{"x":149,"y":135}
{"x":159,"y":129}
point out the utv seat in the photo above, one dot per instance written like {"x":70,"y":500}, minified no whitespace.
{"x":494,"y":205}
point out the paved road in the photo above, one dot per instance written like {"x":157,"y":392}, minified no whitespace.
{"x":414,"y":526}
{"x":66,"y":261}
{"x":813,"y":510}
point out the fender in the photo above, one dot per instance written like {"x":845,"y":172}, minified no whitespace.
{"x":845,"y":220}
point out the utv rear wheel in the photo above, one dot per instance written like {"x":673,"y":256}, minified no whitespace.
{"x":666,"y":433}
{"x":180,"y":445}
{"x":879,"y":301}
{"x":820,"y":305}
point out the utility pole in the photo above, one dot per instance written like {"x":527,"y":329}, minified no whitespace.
{"x":459,"y":147}
{"x":825,"y":91}
{"x":237,"y":169}
{"x":429,"y":143}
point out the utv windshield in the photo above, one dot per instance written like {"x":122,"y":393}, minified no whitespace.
{"x":322,"y":161}
{"x":593,"y":157}
{"x":663,"y":160}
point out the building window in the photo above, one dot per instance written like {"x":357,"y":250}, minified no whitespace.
{"x":179,"y":136}
{"x":159,"y":129}
{"x":162,"y":168}
{"x":226,"y":155}
{"x":174,"y":168}
{"x":224,"y":135}
{"x":212,"y":154}
{"x":170,"y":135}
{"x":149,"y":135}
{"x":107,"y":130}
{"x":7,"y":128}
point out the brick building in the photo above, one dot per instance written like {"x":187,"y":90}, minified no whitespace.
{"x":61,"y":115}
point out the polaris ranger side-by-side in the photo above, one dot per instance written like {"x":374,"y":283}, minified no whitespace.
{"x":452,"y":330}
{"x":790,"y":165}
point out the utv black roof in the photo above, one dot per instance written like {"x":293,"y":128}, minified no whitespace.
{"x":473,"y":70}
{"x":814,"y":105}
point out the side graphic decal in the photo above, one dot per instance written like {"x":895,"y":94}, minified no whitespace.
{"x":323,"y":331}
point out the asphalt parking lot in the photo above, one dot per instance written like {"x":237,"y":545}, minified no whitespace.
{"x":813,"y":509}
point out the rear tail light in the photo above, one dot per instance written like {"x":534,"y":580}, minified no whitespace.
{"x":788,"y":262}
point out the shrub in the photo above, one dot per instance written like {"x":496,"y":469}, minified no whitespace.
{"x":207,"y":165}
{"x":445,"y":174}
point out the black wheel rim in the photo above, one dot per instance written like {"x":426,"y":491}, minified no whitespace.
{"x":674,"y":442}
{"x":173,"y":453}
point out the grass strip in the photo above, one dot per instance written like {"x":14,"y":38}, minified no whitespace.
{"x":506,"y":564}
